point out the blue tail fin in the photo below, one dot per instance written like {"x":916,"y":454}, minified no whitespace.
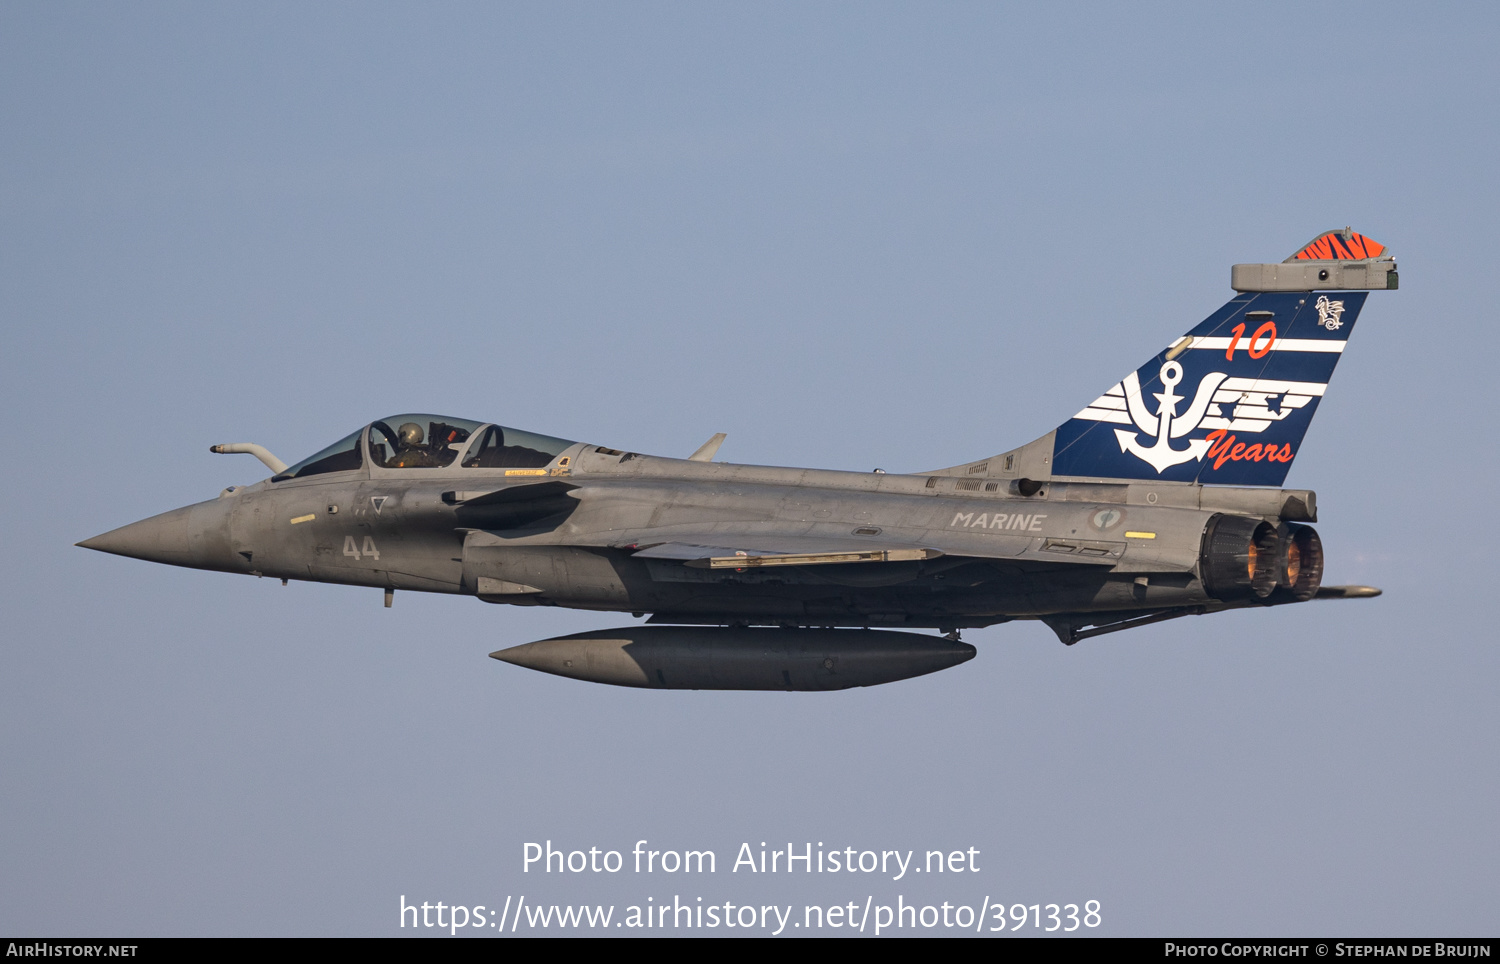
{"x":1228,"y":403}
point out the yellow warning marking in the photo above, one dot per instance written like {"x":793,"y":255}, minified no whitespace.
{"x":1140,"y":535}
{"x":525,"y":471}
{"x":305,"y":518}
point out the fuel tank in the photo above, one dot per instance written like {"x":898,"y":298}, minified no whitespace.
{"x":748,"y":658}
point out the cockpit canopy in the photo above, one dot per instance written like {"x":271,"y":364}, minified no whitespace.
{"x":418,"y":441}
{"x":431,"y":442}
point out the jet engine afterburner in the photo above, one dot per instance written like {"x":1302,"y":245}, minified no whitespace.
{"x":1240,"y":558}
{"x":1245,"y":558}
{"x":1301,"y":563}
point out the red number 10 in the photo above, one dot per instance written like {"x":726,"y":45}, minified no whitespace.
{"x":1268,"y":330}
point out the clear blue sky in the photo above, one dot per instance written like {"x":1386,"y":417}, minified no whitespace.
{"x":849,"y":235}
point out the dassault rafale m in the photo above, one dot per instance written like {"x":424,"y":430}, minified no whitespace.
{"x":1160,"y":498}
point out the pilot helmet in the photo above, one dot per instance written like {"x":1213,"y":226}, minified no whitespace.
{"x":410,"y":434}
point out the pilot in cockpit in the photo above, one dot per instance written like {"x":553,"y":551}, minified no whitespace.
{"x":412,"y":454}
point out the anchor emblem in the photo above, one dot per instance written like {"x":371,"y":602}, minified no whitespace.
{"x":1166,"y":424}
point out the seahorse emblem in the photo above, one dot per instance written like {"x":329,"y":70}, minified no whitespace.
{"x":1329,"y":312}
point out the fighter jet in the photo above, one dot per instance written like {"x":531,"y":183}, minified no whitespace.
{"x":1160,"y":498}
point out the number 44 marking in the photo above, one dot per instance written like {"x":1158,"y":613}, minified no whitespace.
{"x":354,"y":551}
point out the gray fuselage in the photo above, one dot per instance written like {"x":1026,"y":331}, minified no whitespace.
{"x":589,"y":532}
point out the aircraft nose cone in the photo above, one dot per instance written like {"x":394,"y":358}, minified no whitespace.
{"x":161,"y":538}
{"x":174,"y":538}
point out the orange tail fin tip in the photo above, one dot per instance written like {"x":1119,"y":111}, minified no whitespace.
{"x":1345,"y":245}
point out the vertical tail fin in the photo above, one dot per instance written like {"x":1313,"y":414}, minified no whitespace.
{"x":1230,"y":401}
